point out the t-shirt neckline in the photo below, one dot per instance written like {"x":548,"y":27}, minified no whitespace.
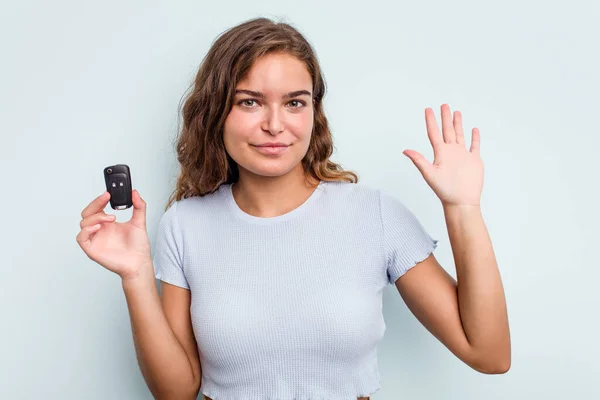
{"x":296,"y":212}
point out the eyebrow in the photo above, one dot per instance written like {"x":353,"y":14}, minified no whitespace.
{"x":262,"y":96}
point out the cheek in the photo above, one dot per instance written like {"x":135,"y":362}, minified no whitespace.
{"x":301,"y":126}
{"x":236,"y":130}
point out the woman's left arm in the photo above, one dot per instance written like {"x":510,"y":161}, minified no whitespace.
{"x":469,"y":315}
{"x":480,"y":291}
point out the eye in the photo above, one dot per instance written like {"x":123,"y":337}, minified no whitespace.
{"x":302,"y":103}
{"x":245,"y":102}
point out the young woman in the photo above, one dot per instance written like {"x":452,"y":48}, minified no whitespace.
{"x":273,"y":259}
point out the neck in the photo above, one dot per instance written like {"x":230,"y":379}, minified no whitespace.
{"x":268,"y":197}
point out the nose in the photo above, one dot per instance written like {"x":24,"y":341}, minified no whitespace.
{"x":273,"y":123}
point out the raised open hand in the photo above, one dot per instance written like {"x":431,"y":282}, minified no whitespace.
{"x":456,"y":174}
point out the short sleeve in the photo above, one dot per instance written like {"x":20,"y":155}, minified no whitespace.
{"x":167,"y":258}
{"x":405,"y":239}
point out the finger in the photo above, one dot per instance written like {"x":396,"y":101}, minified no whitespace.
{"x":447,"y":127}
{"x":433,"y":132}
{"x":96,"y":219}
{"x":475,"y":141}
{"x":85,"y":235}
{"x":458,"y":127}
{"x":419,"y":160}
{"x":139,"y":209}
{"x":96,"y":205}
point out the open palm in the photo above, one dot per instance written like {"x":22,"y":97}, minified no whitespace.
{"x":456,"y":174}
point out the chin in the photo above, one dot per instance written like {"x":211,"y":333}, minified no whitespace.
{"x":269,"y":168}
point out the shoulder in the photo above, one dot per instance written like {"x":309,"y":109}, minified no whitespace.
{"x":195,"y":208}
{"x":353,"y":200}
{"x":365,"y":194}
{"x":350,"y":191}
{"x":208,"y":202}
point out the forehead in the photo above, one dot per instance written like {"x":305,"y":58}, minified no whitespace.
{"x":277,"y":72}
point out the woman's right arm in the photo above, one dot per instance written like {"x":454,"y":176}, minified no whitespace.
{"x":163,"y":336}
{"x":162,"y":330}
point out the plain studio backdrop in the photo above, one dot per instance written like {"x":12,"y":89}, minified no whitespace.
{"x":84,"y":85}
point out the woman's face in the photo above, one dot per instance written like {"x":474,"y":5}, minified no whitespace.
{"x":272,"y":106}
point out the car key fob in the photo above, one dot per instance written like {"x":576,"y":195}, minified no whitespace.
{"x":118,"y":184}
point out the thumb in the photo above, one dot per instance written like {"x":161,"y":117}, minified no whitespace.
{"x":419,"y":160}
{"x":139,"y":209}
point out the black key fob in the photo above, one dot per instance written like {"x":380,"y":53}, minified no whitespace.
{"x":118,"y":184}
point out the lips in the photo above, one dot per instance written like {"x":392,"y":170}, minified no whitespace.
{"x":278,"y":144}
{"x":272,"y":149}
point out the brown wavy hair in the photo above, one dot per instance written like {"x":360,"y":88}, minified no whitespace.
{"x":205,"y":164}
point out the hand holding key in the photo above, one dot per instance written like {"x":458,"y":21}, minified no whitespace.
{"x":120,"y":247}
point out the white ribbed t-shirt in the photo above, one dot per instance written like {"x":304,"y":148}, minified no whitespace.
{"x":289,"y":307}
